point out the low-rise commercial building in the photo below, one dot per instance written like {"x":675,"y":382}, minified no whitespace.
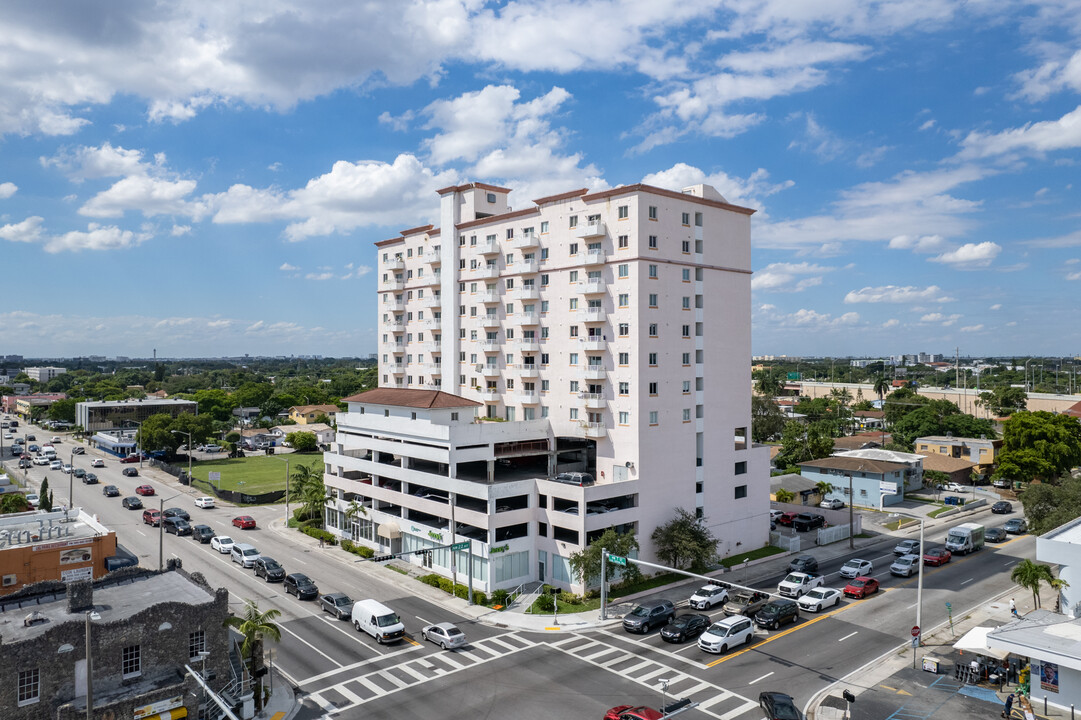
{"x":59,"y":545}
{"x":878,"y":477}
{"x":44,"y":374}
{"x":113,"y":414}
{"x":982,"y":452}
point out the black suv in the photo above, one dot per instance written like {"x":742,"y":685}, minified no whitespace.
{"x":300,"y":585}
{"x":779,"y":706}
{"x":203,"y":533}
{"x":177,"y":513}
{"x":808,"y":521}
{"x":177,"y":526}
{"x":269,"y":568}
{"x":803,"y":564}
{"x":776,"y":613}
{"x":649,"y":615}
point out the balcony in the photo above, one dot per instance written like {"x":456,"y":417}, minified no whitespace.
{"x":594,"y":372}
{"x":490,"y":346}
{"x":433,"y":257}
{"x":593,"y":287}
{"x":432,"y":280}
{"x":488,"y":320}
{"x":489,"y":298}
{"x":594,"y":315}
{"x":431,"y":347}
{"x":528,"y":398}
{"x":528,"y":371}
{"x":527,"y":345}
{"x":527,"y":293}
{"x":593,"y":343}
{"x":593,"y":401}
{"x":484,"y":272}
{"x":432,"y":323}
{"x":398,"y":349}
{"x":530,"y":318}
{"x":396,"y":327}
{"x":488,"y":369}
{"x":488,"y":247}
{"x":525,"y":241}
{"x":591,"y":230}
{"x":593,"y":429}
{"x":395,"y":264}
{"x":434,"y":368}
{"x":594,"y":257}
{"x":526,"y":267}
{"x":432,"y":302}
{"x":394,"y":284}
{"x":490,"y":396}
{"x":397,"y":369}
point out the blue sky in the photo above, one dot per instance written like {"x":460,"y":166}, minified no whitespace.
{"x":207,"y":178}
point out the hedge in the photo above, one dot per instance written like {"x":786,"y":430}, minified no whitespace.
{"x":363,"y":550}
{"x":459,"y":590}
{"x":327,"y":537}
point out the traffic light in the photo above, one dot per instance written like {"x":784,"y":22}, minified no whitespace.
{"x":382,"y":558}
{"x":419,"y":552}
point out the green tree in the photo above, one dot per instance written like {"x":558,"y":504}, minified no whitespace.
{"x":935,"y":478}
{"x":939,"y":417}
{"x":256,"y":626}
{"x":1030,"y":576}
{"x":252,"y":394}
{"x":1039,"y":445}
{"x":768,"y":384}
{"x":302,"y":441}
{"x":881,"y":386}
{"x":1004,"y":400}
{"x":586,"y":564}
{"x":767,"y":420}
{"x":800,"y":443}
{"x":299,"y":479}
{"x":62,"y":410}
{"x":900,"y":402}
{"x":1050,"y":506}
{"x":215,"y":403}
{"x":784,"y":496}
{"x":685,"y":541}
{"x":156,"y":433}
{"x":45,"y":496}
{"x":13,"y":503}
{"x":824,"y":488}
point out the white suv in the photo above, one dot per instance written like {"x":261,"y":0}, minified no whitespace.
{"x":726,"y":634}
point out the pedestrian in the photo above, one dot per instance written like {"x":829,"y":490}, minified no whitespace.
{"x":320,"y":541}
{"x":1007,"y":711}
{"x":1013,"y":608}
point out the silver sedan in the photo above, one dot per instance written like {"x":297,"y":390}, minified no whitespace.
{"x":445,"y":635}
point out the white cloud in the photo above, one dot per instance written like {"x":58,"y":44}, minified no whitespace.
{"x":996,"y":306}
{"x":1051,"y":77}
{"x":288,"y":268}
{"x":782,"y":277}
{"x":897,"y":294}
{"x":150,"y":196}
{"x":180,"y":230}
{"x":29,"y":230}
{"x":274,"y":167}
{"x":1037,"y":138}
{"x":970,"y":256}
{"x":925,"y":244}
{"x":1063,"y":241}
{"x":940,"y":319}
{"x":811,"y":319}
{"x":892,"y":322}
{"x":1073,"y":276}
{"x":87,"y":163}
{"x":738,"y":191}
{"x":399,"y":123}
{"x":97,"y":237}
{"x":319,"y":276}
{"x":927,"y":125}
{"x":972,"y":328}
{"x":355,"y":271}
{"x":7,"y":189}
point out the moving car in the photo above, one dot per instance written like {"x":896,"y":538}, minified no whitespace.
{"x":708,"y":596}
{"x":745,"y":602}
{"x":132,"y":503}
{"x":819,"y":599}
{"x":65,"y":468}
{"x":152,"y":517}
{"x":337,"y":604}
{"x":88,"y":478}
{"x":379,"y":621}
{"x":856,"y":567}
{"x":203,"y":533}
{"x":204,"y":502}
{"x":79,"y":473}
{"x":905,"y":566}
{"x":995,"y":535}
{"x":25,"y":463}
{"x":110,"y":491}
{"x":55,"y":439}
{"x":445,"y":635}
{"x":244,"y":554}
{"x":649,"y":615}
{"x":1002,"y":508}
{"x":833,"y":504}
{"x":56,"y":465}
{"x":937,"y":556}
{"x":176,"y":512}
{"x":269,"y":569}
{"x":1015,"y":526}
{"x":222,"y":543}
{"x":907,"y":547}
{"x":803,"y":564}
{"x":33,"y":499}
{"x":685,"y":627}
{"x":78,"y":451}
{"x":244,"y":522}
{"x":630,"y":712}
{"x":146,"y":490}
{"x":726,"y":634}
{"x":177,"y":526}
{"x":97,"y":463}
{"x":130,"y":472}
{"x":776,"y":613}
{"x":300,"y":585}
{"x":41,"y":460}
{"x":778,"y":706}
{"x":861,"y":587}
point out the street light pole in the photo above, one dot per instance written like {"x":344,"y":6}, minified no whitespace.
{"x":851,"y":516}
{"x":89,"y":672}
{"x":919,"y":583}
{"x":71,"y":479}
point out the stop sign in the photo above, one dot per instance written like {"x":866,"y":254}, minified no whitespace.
{"x":915,"y":631}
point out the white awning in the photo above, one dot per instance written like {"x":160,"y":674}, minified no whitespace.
{"x":975,"y":640}
{"x":389,"y":531}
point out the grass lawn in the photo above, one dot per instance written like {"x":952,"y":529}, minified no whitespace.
{"x":944,"y":508}
{"x":752,"y":555}
{"x":258,"y":473}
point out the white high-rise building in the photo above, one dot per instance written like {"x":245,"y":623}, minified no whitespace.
{"x":606,"y":333}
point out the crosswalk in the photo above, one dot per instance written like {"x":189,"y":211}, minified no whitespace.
{"x":712,"y":700}
{"x":361,"y":689}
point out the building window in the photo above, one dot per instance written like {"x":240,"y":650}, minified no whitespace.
{"x":741,"y":468}
{"x":686,"y":218}
{"x":623,"y":212}
{"x":624,"y":388}
{"x":686,"y":247}
{"x":686,"y":302}
{"x":545,"y":384}
{"x":574,"y":358}
{"x":653,"y":359}
{"x":653,"y":388}
{"x":741,"y":492}
{"x":574,"y":413}
{"x":624,"y":242}
{"x":686,"y":274}
{"x":491,"y":197}
{"x":624,"y":270}
{"x":574,"y":303}
{"x":573,"y":221}
{"x":544,"y":280}
{"x":653,"y":329}
{"x":574,"y":276}
{"x":686,"y":414}
{"x":624,"y":299}
{"x":652,"y":212}
{"x":573,"y":248}
{"x":624,"y":418}
{"x":574,"y":331}
{"x":686,"y":331}
{"x":652,"y":242}
{"x":652,"y":417}
{"x":653,"y":271}
{"x":130,"y":662}
{"x":686,"y":387}
{"x":624,"y":358}
{"x":624,"y":329}
{"x":653,"y":300}
{"x":544,"y":226}
{"x":29,"y":686}
{"x":454,"y":416}
{"x":686,"y":358}
{"x":196,"y":643}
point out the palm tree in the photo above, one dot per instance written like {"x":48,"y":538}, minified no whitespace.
{"x":785,"y":496}
{"x":823,"y":488}
{"x":768,"y":385}
{"x":1030,"y":576}
{"x":301,"y":477}
{"x":313,"y":497}
{"x":354,"y":511}
{"x":881,"y":387}
{"x":255,"y":625}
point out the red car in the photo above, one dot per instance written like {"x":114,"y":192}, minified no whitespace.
{"x":630,"y":712}
{"x":244,"y":522}
{"x":130,"y":459}
{"x":786,"y":518}
{"x":861,"y":587}
{"x":937,"y":556}
{"x":144,"y":490}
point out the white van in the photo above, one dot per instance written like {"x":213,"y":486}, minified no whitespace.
{"x":244,"y":554}
{"x":379,"y":621}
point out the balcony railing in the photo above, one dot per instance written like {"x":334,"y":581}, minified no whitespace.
{"x":432,"y":302}
{"x":395,"y":264}
{"x":593,"y":343}
{"x":485,"y":272}
{"x":397,"y":369}
{"x":488,"y":247}
{"x":433,"y":257}
{"x":487,"y":369}
{"x":526,"y":267}
{"x":489,"y":298}
{"x":528,"y":345}
{"x":594,"y":372}
{"x":525,"y":241}
{"x":592,"y":401}
{"x":398,"y":348}
{"x":394,"y":307}
{"x":528,"y":398}
{"x":592,"y":315}
{"x":487,"y":395}
{"x":527,"y":319}
{"x":527,"y":293}
{"x":594,"y":257}
{"x":526,"y":371}
{"x":593,"y":287}
{"x":589,"y":230}
{"x":593,"y":429}
{"x":490,"y":346}
{"x":488,"y":321}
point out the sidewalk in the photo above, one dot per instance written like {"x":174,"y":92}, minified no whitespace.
{"x":889,"y":687}
{"x":282,"y":704}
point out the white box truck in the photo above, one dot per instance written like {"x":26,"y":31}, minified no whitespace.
{"x":965,"y":538}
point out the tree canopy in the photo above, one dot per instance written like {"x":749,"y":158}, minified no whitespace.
{"x":767,"y":420}
{"x":1039,"y":445}
{"x":586,"y":564}
{"x":302,"y":441}
{"x":800,"y":443}
{"x":939,"y":417}
{"x":900,"y":402}
{"x":685,"y":541}
{"x":1004,"y":400}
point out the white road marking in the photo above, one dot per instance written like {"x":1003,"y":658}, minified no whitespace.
{"x":1011,"y":562}
{"x":912,"y":606}
{"x":328,"y":657}
{"x":354,"y":666}
{"x":141,"y":533}
{"x":967,"y":581}
{"x":752,"y":682}
{"x":847,"y":636}
{"x":423,"y":621}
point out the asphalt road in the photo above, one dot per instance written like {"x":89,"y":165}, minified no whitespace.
{"x":344,"y":673}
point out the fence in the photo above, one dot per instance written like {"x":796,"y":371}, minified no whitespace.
{"x":232,"y":496}
{"x":791,"y":543}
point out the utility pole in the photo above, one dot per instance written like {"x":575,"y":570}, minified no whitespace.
{"x":851,"y":516}
{"x":89,"y":672}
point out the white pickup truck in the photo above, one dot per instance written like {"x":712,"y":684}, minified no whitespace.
{"x":797,"y":583}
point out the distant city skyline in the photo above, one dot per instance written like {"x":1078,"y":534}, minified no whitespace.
{"x":181,"y":179}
